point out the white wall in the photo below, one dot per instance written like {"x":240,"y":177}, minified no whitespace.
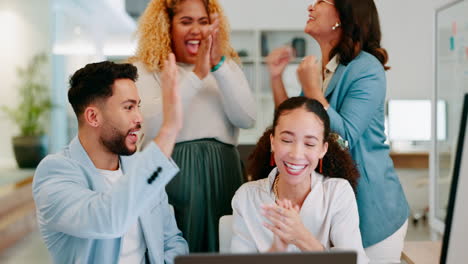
{"x":276,"y":14}
{"x":24,"y":27}
{"x":407,"y":29}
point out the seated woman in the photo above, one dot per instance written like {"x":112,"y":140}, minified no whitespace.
{"x":307,"y":202}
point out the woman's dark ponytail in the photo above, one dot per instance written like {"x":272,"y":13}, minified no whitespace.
{"x":338,"y":163}
{"x":259,"y":161}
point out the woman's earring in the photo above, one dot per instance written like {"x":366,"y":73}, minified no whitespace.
{"x":337,"y":25}
{"x":272,"y":159}
{"x":321,"y":166}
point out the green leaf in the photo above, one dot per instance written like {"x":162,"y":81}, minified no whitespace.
{"x":34,"y":104}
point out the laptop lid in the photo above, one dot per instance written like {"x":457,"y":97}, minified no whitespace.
{"x":329,"y":257}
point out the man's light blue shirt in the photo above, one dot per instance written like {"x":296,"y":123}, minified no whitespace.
{"x":83,"y":221}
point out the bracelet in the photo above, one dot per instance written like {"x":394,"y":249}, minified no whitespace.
{"x":217,"y":66}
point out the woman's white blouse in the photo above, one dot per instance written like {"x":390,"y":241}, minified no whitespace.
{"x":329,"y":212}
{"x":215,"y":107}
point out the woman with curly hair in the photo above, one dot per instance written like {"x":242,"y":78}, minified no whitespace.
{"x":307,"y":197}
{"x":349,"y":81}
{"x":217,"y":102}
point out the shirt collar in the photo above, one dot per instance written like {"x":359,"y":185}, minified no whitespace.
{"x":332,"y":64}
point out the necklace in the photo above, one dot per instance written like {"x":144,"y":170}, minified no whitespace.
{"x":275,"y":187}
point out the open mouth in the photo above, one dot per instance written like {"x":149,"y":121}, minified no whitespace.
{"x":192,"y":46}
{"x":295,"y":169}
{"x":133,"y":136}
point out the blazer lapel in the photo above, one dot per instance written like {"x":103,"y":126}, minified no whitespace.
{"x":335,"y":79}
{"x":79,"y":154}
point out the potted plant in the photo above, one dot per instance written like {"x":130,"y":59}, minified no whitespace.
{"x":30,"y":146}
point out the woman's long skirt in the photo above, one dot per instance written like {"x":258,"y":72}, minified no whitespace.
{"x":210,"y":173}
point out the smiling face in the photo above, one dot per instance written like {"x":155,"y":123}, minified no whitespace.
{"x":298,"y":144}
{"x":121,"y":118}
{"x":186,"y":29}
{"x":322,"y":17}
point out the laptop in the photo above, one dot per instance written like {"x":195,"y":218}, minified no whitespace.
{"x":329,"y":257}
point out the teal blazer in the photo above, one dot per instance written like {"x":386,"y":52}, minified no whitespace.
{"x":82,"y":221}
{"x":356,"y":94}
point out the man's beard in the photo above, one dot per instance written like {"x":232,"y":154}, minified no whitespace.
{"x":115,"y":143}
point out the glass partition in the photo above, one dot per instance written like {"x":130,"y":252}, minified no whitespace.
{"x":451,"y":82}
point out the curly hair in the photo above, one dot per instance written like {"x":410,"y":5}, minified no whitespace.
{"x":361,"y":31}
{"x":337,"y":162}
{"x":154,"y":32}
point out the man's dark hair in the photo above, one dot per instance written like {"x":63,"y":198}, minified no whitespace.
{"x":95,"y":81}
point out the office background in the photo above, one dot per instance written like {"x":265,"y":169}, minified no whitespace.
{"x":75,"y":32}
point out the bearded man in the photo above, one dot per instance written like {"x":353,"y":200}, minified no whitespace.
{"x":97,"y":201}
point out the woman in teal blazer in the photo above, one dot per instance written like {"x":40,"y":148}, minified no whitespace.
{"x":349,"y":81}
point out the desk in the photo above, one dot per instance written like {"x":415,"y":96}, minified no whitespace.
{"x":418,"y":159}
{"x":410,"y":160}
{"x":422,"y":252}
